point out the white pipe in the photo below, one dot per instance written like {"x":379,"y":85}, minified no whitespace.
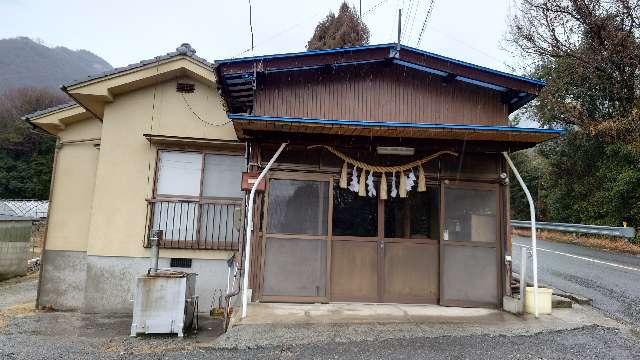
{"x":228,"y":278}
{"x":534,"y":246}
{"x":247,"y":243}
{"x":523,"y":276}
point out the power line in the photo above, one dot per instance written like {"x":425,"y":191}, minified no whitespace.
{"x":424,"y":23}
{"x":374,"y":7}
{"x":413,"y":13}
{"x":405,"y":21}
{"x":288,"y":29}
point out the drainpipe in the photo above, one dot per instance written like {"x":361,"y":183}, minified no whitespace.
{"x":534,"y":246}
{"x":247,"y":243}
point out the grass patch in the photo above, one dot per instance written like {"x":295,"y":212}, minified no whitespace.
{"x":593,"y":241}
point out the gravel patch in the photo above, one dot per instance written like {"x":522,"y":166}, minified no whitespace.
{"x":592,"y":342}
{"x":19,"y":290}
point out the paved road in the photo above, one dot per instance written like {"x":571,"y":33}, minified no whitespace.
{"x":612,"y":280}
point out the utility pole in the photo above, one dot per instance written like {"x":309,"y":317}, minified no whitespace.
{"x":360,"y":9}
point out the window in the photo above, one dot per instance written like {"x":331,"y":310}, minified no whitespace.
{"x":179,"y":173}
{"x":354,"y":215}
{"x":415,"y":216}
{"x":198,"y":201}
{"x":471,"y":215}
{"x":298,"y":207}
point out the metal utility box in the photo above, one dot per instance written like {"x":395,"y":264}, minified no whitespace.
{"x":164,"y":303}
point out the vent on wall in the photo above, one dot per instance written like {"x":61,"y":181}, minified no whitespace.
{"x":185,"y":88}
{"x":180,"y":263}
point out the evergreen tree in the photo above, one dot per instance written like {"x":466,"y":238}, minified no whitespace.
{"x":344,"y":30}
{"x":25,"y":155}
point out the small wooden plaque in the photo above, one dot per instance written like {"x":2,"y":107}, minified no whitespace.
{"x":249,"y":178}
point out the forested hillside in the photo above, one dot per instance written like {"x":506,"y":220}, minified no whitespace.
{"x":30,"y":76}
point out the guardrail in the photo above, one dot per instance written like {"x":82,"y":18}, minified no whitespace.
{"x":626,"y":232}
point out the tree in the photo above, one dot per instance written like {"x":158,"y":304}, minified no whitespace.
{"x":344,"y":30}
{"x":589,"y":54}
{"x":25,"y":156}
{"x":531,"y":167}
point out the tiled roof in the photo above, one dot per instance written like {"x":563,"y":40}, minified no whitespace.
{"x":183,"y":50}
{"x":49,"y":110}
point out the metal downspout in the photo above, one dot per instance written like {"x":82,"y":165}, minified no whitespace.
{"x":534,"y":246}
{"x":247,"y":243}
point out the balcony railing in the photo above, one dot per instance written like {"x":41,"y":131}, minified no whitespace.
{"x":215,"y":224}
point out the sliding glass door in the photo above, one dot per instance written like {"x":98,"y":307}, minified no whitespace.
{"x":296,"y":234}
{"x":470,"y":245}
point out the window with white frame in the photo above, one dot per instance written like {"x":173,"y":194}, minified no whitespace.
{"x":198,"y":200}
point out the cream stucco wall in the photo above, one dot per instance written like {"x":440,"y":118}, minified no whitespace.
{"x":125,"y":171}
{"x":73,"y":183}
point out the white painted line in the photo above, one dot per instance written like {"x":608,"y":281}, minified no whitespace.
{"x":584,"y":258}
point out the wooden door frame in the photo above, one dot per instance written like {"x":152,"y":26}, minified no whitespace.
{"x":391,"y":240}
{"x":466,"y":184}
{"x":302,"y":176}
{"x":379,"y":239}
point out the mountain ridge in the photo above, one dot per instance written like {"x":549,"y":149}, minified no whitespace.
{"x":27,"y":63}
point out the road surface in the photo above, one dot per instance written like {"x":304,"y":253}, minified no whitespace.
{"x":610,"y":279}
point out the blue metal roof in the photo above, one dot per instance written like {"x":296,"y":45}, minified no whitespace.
{"x":379,"y":46}
{"x":390,"y":124}
{"x":303,"y":53}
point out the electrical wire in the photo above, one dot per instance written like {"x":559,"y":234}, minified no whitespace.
{"x":374,"y":8}
{"x":412,"y":11}
{"x":424,"y":23}
{"x":198,"y":116}
{"x":369,"y":11}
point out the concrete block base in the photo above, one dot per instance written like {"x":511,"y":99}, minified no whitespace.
{"x":512,"y":305}
{"x":72,"y":280}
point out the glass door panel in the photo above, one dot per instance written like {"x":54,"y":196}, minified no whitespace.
{"x":295,"y":267}
{"x":354,"y":252}
{"x":469,"y":246}
{"x":415,"y":216}
{"x":354,"y":215}
{"x":409,"y":251}
{"x":295,"y":246}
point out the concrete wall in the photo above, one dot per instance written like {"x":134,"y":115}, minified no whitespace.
{"x":111,"y":280}
{"x":13,"y":259}
{"x":15,"y":238}
{"x":62,"y":279}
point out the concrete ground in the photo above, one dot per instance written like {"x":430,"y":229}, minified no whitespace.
{"x":298,"y":324}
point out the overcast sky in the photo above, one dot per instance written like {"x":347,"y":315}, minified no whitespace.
{"x":127,"y":31}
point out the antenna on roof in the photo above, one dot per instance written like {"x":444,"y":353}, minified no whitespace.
{"x":251,"y":27}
